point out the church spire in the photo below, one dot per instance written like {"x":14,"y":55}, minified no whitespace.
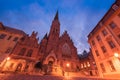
{"x":56,"y":16}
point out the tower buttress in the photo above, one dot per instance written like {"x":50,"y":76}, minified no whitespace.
{"x":53,"y":36}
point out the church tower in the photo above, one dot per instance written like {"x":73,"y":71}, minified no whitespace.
{"x":53,"y":36}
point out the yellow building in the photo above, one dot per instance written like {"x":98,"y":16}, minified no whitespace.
{"x":104,"y":41}
{"x":8,"y":39}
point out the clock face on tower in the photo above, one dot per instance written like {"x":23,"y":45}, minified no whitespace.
{"x":66,"y":49}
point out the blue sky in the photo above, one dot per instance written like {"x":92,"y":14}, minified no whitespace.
{"x":78,"y":17}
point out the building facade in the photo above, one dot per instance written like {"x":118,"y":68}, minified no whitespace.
{"x":104,"y":41}
{"x":87,"y":64}
{"x":8,"y":39}
{"x":58,"y":52}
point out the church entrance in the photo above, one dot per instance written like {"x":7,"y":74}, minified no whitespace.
{"x":51,"y":62}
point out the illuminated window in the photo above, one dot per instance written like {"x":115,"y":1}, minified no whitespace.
{"x":104,"y":32}
{"x":111,"y":66}
{"x":97,"y":53}
{"x":29,"y":54}
{"x":85,"y":65}
{"x":81,"y":65}
{"x":2,"y":36}
{"x":102,"y":67}
{"x":22,"y":51}
{"x":103,"y":49}
{"x":98,"y":38}
{"x":111,"y":44}
{"x":88,"y":64}
{"x":112,"y":25}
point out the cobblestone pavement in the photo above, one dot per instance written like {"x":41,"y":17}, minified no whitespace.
{"x":44,"y":77}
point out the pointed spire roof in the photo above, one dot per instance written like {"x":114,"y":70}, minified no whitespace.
{"x":45,"y":37}
{"x":56,"y":16}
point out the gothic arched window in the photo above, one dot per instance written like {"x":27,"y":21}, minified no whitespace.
{"x":22,"y":51}
{"x":66,"y":49}
{"x":29,"y":53}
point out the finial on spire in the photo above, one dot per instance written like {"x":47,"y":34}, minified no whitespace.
{"x":56,"y":16}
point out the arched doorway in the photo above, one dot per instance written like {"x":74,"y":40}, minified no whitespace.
{"x":19,"y":67}
{"x":51,"y":61}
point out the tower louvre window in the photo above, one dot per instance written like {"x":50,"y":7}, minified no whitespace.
{"x":119,"y":15}
{"x":119,"y":36}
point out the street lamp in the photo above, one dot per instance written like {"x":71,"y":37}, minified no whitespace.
{"x":68,"y":65}
{"x":8,"y":58}
{"x":116,"y":55}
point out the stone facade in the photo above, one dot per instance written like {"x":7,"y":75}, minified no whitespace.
{"x":88,"y":65}
{"x":54,"y":50}
{"x":104,"y":40}
{"x":8,"y":39}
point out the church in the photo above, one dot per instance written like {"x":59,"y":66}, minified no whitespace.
{"x":54,"y":50}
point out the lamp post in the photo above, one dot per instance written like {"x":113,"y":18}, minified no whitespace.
{"x":68,"y":65}
{"x":116,"y":55}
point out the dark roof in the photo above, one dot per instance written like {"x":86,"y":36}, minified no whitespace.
{"x":13,"y":30}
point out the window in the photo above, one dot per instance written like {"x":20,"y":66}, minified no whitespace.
{"x":102,"y":67}
{"x":119,"y":15}
{"x":2,"y":36}
{"x":8,"y":50}
{"x":9,"y":37}
{"x":103,"y":49}
{"x":88,"y":64}
{"x":115,"y":7}
{"x":119,"y":36}
{"x":111,"y":66}
{"x":112,"y":25}
{"x":97,"y":53}
{"x":81,"y":65}
{"x":22,"y":51}
{"x":98,"y":38}
{"x":15,"y":39}
{"x":104,"y":32}
{"x":93,"y":43}
{"x":111,"y":44}
{"x":85,"y":65}
{"x":26,"y":68}
{"x":29,"y":53}
{"x":11,"y":65}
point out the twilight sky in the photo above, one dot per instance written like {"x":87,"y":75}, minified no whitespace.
{"x":78,"y":17}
